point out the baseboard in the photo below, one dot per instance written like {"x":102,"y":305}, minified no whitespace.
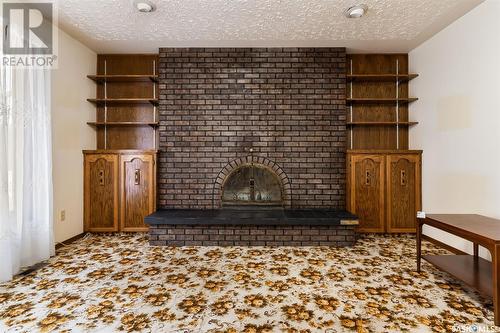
{"x":36,"y":267}
{"x":70,"y":240}
{"x":443,"y":245}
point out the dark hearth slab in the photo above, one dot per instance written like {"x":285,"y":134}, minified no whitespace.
{"x":252,"y":216}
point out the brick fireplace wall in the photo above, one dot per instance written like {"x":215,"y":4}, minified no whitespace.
{"x":288,"y":104}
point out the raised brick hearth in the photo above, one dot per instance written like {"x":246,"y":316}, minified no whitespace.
{"x":233,"y":235}
{"x":251,"y":226}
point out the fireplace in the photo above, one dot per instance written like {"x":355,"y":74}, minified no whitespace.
{"x":260,"y":133}
{"x":252,"y":185}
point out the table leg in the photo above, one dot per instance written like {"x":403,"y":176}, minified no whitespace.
{"x":419,"y":244}
{"x":495,"y":261}
{"x":475,"y":252}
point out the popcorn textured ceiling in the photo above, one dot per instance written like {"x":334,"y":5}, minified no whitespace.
{"x":116,"y":26}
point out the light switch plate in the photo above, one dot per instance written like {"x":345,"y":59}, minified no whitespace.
{"x":420,"y":215}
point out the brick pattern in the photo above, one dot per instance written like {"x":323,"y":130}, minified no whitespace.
{"x":288,"y":104}
{"x":241,"y":235}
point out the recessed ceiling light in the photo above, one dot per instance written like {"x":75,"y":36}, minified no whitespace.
{"x":356,"y":11}
{"x":145,"y":6}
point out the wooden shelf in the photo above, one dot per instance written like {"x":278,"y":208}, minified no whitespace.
{"x":122,"y":123}
{"x":475,"y":273}
{"x":380,"y":77}
{"x":123,"y":78}
{"x":100,"y":101}
{"x":351,"y":101}
{"x":384,"y":151}
{"x":120,"y":151}
{"x":381,"y":123}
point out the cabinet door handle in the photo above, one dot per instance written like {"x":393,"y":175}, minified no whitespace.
{"x":137,"y":176}
{"x":101,"y":177}
{"x":367,"y":178}
{"x":403,"y":178}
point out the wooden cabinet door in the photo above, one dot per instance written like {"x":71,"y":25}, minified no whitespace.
{"x":366,"y":182}
{"x":137,"y":191}
{"x":101,"y":192}
{"x":403,"y":192}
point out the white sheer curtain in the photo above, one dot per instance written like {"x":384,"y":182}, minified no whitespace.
{"x":26,"y":235}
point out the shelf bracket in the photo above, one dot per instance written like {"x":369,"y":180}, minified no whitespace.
{"x":350,"y":112}
{"x":397,"y":104}
{"x":105,"y":107}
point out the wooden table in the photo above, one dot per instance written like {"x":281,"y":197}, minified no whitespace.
{"x":480,"y":274}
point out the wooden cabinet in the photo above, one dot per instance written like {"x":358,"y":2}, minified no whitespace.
{"x":384,"y":189}
{"x":120,"y":176}
{"x":137,"y":191}
{"x":368,"y":181}
{"x":119,"y":189}
{"x":403,"y":192}
{"x":101,"y":192}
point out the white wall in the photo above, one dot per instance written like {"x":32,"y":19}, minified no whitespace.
{"x":459,"y":115}
{"x":70,"y":133}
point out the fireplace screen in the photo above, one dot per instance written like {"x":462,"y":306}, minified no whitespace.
{"x":252,"y":185}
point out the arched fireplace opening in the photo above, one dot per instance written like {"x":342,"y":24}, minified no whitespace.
{"x":252,"y":185}
{"x":238,"y":179}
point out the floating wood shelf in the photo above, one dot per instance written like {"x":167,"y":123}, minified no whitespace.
{"x":101,"y":101}
{"x":122,"y":123}
{"x":123,"y":78}
{"x":381,"y":77}
{"x":382,"y":123}
{"x":351,"y":101}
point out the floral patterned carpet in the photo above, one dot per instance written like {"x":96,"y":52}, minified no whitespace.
{"x":107,"y":283}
